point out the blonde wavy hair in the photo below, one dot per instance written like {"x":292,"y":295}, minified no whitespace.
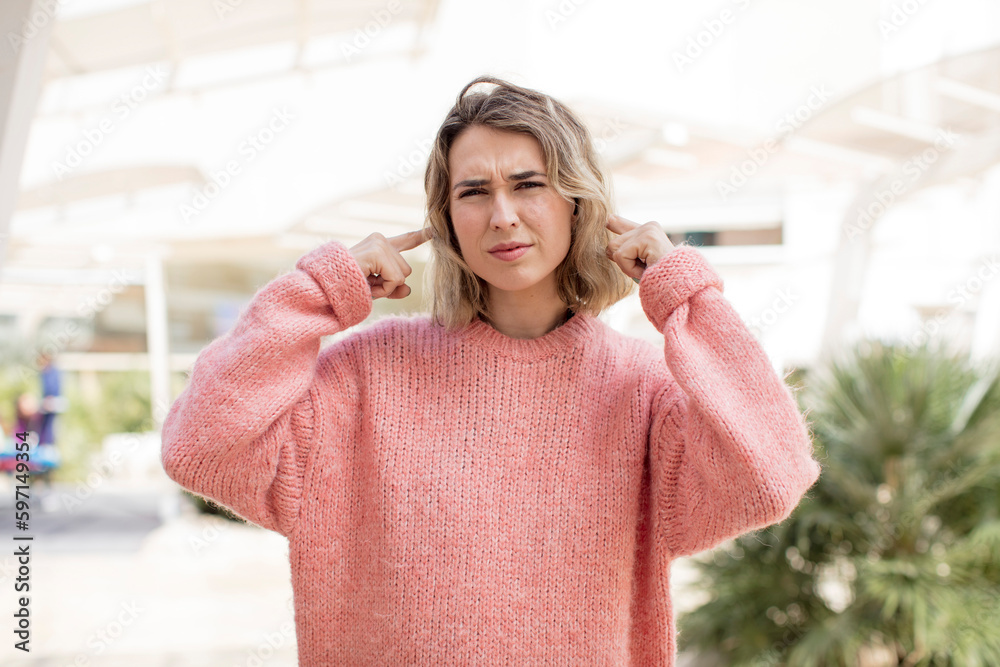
{"x":588,"y":281}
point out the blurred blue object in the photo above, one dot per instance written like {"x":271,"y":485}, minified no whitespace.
{"x":41,"y":458}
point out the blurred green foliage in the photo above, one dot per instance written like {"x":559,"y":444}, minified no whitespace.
{"x":114,"y":403}
{"x":893,"y":558}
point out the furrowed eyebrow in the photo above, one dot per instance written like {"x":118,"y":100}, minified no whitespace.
{"x":525,"y":175}
{"x":477,"y":182}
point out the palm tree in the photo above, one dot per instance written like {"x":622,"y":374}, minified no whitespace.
{"x":894,"y":556}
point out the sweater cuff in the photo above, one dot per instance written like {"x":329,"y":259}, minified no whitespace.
{"x":672,"y":280}
{"x":336,"y":271}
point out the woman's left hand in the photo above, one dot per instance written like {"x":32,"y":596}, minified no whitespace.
{"x":637,"y":246}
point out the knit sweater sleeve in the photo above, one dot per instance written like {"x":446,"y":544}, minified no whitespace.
{"x":729,"y":451}
{"x":241,"y":431}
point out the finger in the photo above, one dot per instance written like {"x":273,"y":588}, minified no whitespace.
{"x":375,"y":283}
{"x":389,"y":255}
{"x":629,"y":257}
{"x":411,"y":240}
{"x":400,"y":292}
{"x":401,"y":264}
{"x":620,"y":225}
{"x":387,"y":289}
{"x":391,"y":278}
{"x":390,"y":264}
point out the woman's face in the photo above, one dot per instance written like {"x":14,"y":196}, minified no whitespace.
{"x":501,"y":197}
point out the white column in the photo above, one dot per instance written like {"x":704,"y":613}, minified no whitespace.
{"x":157,"y":336}
{"x":24,"y":44}
{"x":986,"y":335}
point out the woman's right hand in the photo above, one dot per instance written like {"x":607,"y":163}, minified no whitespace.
{"x":383,"y":265}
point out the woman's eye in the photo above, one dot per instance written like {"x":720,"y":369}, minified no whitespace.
{"x":520,"y":186}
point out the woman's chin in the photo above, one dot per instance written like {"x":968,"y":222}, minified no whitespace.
{"x":506,"y":284}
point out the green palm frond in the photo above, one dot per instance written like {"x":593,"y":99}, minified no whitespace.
{"x":894,"y":556}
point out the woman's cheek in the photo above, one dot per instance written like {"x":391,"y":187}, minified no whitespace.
{"x":463,"y":231}
{"x":468,"y":242}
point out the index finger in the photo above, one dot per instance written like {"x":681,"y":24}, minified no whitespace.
{"x":620,"y":225}
{"x":411,"y":240}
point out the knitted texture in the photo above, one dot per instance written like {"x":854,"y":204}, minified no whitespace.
{"x":466,"y":498}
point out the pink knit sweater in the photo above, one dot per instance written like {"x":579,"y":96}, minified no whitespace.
{"x":466,"y":498}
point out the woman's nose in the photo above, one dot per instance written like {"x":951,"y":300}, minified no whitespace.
{"x":504,"y":212}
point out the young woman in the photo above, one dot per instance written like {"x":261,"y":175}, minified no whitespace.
{"x":506,"y":480}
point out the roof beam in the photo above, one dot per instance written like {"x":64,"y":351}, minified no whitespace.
{"x":904,"y":127}
{"x":21,"y":68}
{"x":963,"y":92}
{"x":828,"y":151}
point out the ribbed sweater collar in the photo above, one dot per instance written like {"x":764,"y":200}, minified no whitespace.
{"x":563,"y":338}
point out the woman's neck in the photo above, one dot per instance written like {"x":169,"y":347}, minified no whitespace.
{"x":528,"y":313}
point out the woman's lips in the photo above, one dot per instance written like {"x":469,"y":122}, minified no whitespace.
{"x":512,"y":254}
